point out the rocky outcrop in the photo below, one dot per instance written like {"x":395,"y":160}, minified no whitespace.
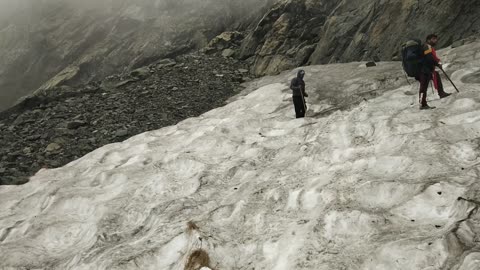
{"x":299,"y":32}
{"x":286,"y":36}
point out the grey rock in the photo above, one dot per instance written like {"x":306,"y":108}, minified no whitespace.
{"x":53,"y":147}
{"x":12,"y":156}
{"x":19,"y":120}
{"x":164,"y":63}
{"x":141,"y":73}
{"x":60,"y":141}
{"x":228,"y":53}
{"x":121,"y":133}
{"x":225,"y":40}
{"x":208,"y":50}
{"x":33,"y":137}
{"x":75,"y":124}
{"x":124,"y":82}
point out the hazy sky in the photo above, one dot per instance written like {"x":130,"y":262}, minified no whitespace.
{"x":30,"y":25}
{"x":18,"y":9}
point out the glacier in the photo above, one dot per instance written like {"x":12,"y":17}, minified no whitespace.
{"x":359,"y":184}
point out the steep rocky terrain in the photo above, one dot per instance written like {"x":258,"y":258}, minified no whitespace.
{"x":51,"y":129}
{"x":50,"y":43}
{"x":69,"y":42}
{"x":298,"y":32}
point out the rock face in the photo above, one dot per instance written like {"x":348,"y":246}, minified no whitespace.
{"x":44,"y":44}
{"x":286,"y":36}
{"x":299,"y":32}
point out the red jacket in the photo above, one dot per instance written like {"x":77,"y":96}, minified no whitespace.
{"x":434,"y":53}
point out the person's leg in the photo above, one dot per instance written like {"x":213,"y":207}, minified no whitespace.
{"x":424,"y":80}
{"x":441,"y":91}
{"x":297,"y":102}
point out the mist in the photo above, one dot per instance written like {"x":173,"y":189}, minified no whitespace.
{"x":18,"y":9}
{"x":40,"y":38}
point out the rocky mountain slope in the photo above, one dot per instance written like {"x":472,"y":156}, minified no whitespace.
{"x":299,"y":32}
{"x":64,"y":44}
{"x":52,"y":129}
{"x":69,"y":42}
{"x":55,"y":42}
{"x":376,"y":185}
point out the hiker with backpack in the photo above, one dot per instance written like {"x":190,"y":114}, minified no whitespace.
{"x":419,"y":61}
{"x":298,"y":94}
{"x":431,"y":61}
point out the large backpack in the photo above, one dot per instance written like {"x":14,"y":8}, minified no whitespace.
{"x":412,"y":57}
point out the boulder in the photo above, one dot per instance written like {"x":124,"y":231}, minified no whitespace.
{"x":225,"y":40}
{"x":141,"y":73}
{"x":121,"y":133}
{"x":53,"y":147}
{"x":228,"y":53}
{"x":167,"y":62}
{"x":75,"y":124}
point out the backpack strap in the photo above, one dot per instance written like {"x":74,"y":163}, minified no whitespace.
{"x":428,"y":50}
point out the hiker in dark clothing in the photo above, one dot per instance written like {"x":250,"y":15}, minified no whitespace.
{"x":428,"y":72}
{"x":298,"y":94}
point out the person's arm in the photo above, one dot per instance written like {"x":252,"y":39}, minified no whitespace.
{"x":429,"y":59}
{"x":435,"y":57}
{"x":294,"y":85}
{"x":303,"y":90}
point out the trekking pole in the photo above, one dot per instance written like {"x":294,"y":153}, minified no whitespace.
{"x":450,"y":80}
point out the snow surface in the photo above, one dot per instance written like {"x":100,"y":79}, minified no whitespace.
{"x":377,"y":185}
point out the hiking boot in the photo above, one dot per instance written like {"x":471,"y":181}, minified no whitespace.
{"x":444,"y":95}
{"x":426,"y":107}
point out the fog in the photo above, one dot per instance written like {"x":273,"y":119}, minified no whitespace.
{"x":40,"y":38}
{"x":18,"y":9}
